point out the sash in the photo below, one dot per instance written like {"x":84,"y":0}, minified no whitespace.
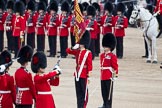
{"x":81,"y":66}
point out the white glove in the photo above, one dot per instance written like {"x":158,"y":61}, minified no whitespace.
{"x":2,"y":68}
{"x":57,"y":68}
{"x":88,"y":29}
{"x":76,"y":46}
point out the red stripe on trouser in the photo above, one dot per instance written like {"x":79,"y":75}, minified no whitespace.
{"x":86,"y":100}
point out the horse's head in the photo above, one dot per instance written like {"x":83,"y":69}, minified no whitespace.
{"x":135,"y":15}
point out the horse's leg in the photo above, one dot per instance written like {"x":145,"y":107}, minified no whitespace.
{"x":154,"y":53}
{"x":149,"y":50}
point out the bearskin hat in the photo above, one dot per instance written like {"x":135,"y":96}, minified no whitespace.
{"x":109,"y":40}
{"x":5,"y":57}
{"x":31,"y":5}
{"x":45,"y":1}
{"x":121,"y":7}
{"x":85,"y":40}
{"x":150,"y":8}
{"x":91,"y":11}
{"x":54,"y":6}
{"x":85,"y":6}
{"x":96,"y":5}
{"x":19,"y":8}
{"x":25,"y":54}
{"x":38,"y":61}
{"x":10,"y":4}
{"x":24,"y":2}
{"x":108,"y":6}
{"x":65,"y":6}
{"x":2,"y":4}
{"x":51,"y":1}
{"x":81,"y":7}
{"x":41,"y":6}
{"x":72,"y":5}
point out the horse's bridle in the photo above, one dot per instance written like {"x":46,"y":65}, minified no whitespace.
{"x":135,"y":18}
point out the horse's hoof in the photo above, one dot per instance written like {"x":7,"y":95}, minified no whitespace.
{"x":154,"y":62}
{"x":148,"y":61}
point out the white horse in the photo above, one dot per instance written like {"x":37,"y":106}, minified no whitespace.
{"x":150,"y":28}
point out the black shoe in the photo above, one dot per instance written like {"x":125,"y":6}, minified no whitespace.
{"x":96,"y":55}
{"x":120,"y":57}
{"x":73,"y":57}
{"x":48,"y":50}
{"x":63,"y":56}
{"x":145,"y":56}
{"x":51,"y":55}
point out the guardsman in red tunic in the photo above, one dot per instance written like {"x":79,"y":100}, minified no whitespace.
{"x":43,"y":80}
{"x":31,"y":23}
{"x":121,"y":22}
{"x":83,"y":69}
{"x":109,"y":69}
{"x":2,"y":21}
{"x":107,"y":19}
{"x":63,"y":30}
{"x":19,"y":26}
{"x":25,"y":87}
{"x":85,"y":6}
{"x":9,"y":25}
{"x":53,"y":23}
{"x":92,"y":28}
{"x":7,"y":88}
{"x":158,"y":10}
{"x":41,"y":26}
{"x":98,"y":19}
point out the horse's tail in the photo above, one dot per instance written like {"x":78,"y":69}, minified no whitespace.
{"x":159,"y":34}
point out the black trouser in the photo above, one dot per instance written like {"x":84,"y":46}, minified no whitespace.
{"x":40,"y":42}
{"x":10,"y":42}
{"x":146,"y":47}
{"x":80,"y":87}
{"x":23,"y":106}
{"x":97,"y":45}
{"x":17,"y":45}
{"x":72,"y":39}
{"x":119,"y":47}
{"x":52,"y":44}
{"x":159,"y":18}
{"x":31,"y":40}
{"x":1,"y":40}
{"x":106,"y":85}
{"x":63,"y":45}
{"x":92,"y":48}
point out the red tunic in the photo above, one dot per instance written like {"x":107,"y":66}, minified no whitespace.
{"x":105,"y":20}
{"x":53,"y":23}
{"x":108,"y":61}
{"x":42,"y":85}
{"x":19,"y":25}
{"x":93,"y":32}
{"x":9,"y":21}
{"x":31,"y":22}
{"x":26,"y":90}
{"x":41,"y":24}
{"x":158,"y":6}
{"x":64,"y":30}
{"x":2,"y":20}
{"x":120,"y":32}
{"x":79,"y":54}
{"x":7,"y":85}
